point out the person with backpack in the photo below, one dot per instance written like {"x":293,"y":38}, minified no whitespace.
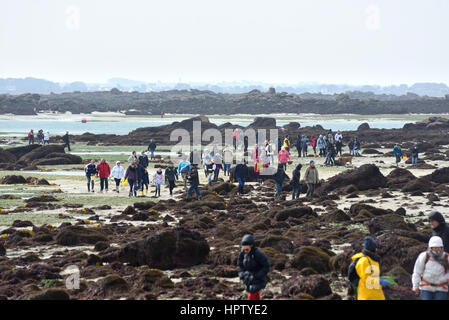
{"x":103,"y":172}
{"x":158,"y":180}
{"x":240,"y":174}
{"x":90,"y":170}
{"x":194,"y":181}
{"x":295,"y":182}
{"x":132,"y":176}
{"x":171,"y":175}
{"x":253,"y":267}
{"x":312,"y":178}
{"x":397,"y":151}
{"x":143,"y":180}
{"x":364,"y":272}
{"x":430,"y":274}
{"x":439,"y":228}
{"x":152,"y":147}
{"x":279,"y":179}
{"x":183,"y":170}
{"x":415,"y":153}
{"x":117,"y":173}
{"x":143,"y":160}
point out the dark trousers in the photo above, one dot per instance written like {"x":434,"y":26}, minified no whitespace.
{"x":117,"y":182}
{"x":278,"y":189}
{"x":132,"y":186}
{"x":241,"y":182}
{"x":296,"y":191}
{"x":194,"y":187}
{"x":310,"y":189}
{"x":67,"y":145}
{"x":104,"y":184}
{"x":171,"y":186}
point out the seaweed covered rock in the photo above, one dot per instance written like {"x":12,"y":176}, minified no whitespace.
{"x":440,"y":175}
{"x":114,"y":285}
{"x":51,"y":294}
{"x":315,"y":285}
{"x":367,"y":176}
{"x":295,"y":212}
{"x":56,"y":158}
{"x":421,"y":185}
{"x":41,"y":152}
{"x":390,"y":222}
{"x":13,"y":179}
{"x":311,"y":257}
{"x":76,"y":235}
{"x":175,"y":248}
{"x":398,"y":178}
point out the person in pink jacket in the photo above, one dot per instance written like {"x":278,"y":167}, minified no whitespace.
{"x":284,"y":157}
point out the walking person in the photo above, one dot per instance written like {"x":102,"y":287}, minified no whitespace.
{"x":143,"y":179}
{"x":312,"y":178}
{"x":241,"y":173}
{"x":314,"y":144}
{"x":304,"y":142}
{"x":152,"y":147}
{"x":367,"y":272}
{"x":279,"y":177}
{"x":132,"y":176}
{"x":338,"y":146}
{"x":253,"y":267}
{"x":31,"y":137}
{"x":439,"y":228}
{"x":183,"y":170}
{"x":66,"y":140}
{"x":103,"y":172}
{"x":218,"y":165}
{"x":299,"y":145}
{"x":235,"y":138}
{"x":321,"y":143}
{"x":283,"y":157}
{"x":40,"y":137}
{"x":228,"y":158}
{"x":286,"y":143}
{"x":415,"y":153}
{"x":194,"y":182}
{"x":351,"y":147}
{"x":356,"y":147}
{"x":205,"y":158}
{"x":118,"y":173}
{"x":431,"y":272}
{"x":171,"y":175}
{"x":90,"y":170}
{"x":295,"y":182}
{"x":47,"y":137}
{"x":209,"y":169}
{"x":158,"y":181}
{"x":133,"y":158}
{"x":397,"y":151}
{"x":143,"y":159}
{"x":245,"y":144}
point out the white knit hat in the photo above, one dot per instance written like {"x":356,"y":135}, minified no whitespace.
{"x":435,"y":242}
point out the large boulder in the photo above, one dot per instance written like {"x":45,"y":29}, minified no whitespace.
{"x":13,"y":179}
{"x":51,"y":294}
{"x":6,"y":156}
{"x":421,"y":184}
{"x":311,"y":257}
{"x":41,"y":152}
{"x":176,"y":248}
{"x":315,"y":285}
{"x":56,"y":158}
{"x":389,"y":222}
{"x":295,"y":212}
{"x":263,"y":123}
{"x":77,"y":235}
{"x":440,"y":175}
{"x":367,"y":176}
{"x":18,"y":152}
{"x":398,"y":178}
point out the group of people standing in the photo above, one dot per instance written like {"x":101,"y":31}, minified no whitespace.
{"x":44,"y":138}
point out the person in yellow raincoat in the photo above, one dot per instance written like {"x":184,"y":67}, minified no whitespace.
{"x":286,"y":143}
{"x":368,"y":269}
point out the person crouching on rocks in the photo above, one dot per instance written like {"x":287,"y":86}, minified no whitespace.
{"x":117,"y":173}
{"x":158,"y":180}
{"x":430,"y":274}
{"x":368,"y":271}
{"x":253,"y":267}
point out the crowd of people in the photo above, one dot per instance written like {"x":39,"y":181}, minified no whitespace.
{"x":44,"y":138}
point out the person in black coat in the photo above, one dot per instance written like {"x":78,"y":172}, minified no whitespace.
{"x":245,"y":143}
{"x":194,"y":180}
{"x":240,"y":174}
{"x":295,"y":182}
{"x":253,"y":267}
{"x":66,"y":140}
{"x":439,"y":228}
{"x":279,"y":179}
{"x":143,"y":160}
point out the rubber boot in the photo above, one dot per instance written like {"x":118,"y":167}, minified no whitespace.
{"x":88,"y":187}
{"x":142,"y":193}
{"x":146,"y":192}
{"x":92,"y":186}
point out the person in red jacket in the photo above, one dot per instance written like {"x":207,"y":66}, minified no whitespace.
{"x":314,"y":144}
{"x":103,"y":171}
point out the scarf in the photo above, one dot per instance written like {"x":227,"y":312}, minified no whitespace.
{"x":370,"y":254}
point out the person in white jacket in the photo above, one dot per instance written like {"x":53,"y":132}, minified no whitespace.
{"x":430,"y":274}
{"x":117,"y":173}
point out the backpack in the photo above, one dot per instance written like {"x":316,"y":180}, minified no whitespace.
{"x":353,"y":277}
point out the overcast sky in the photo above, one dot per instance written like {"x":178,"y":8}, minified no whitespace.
{"x":327,"y":41}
